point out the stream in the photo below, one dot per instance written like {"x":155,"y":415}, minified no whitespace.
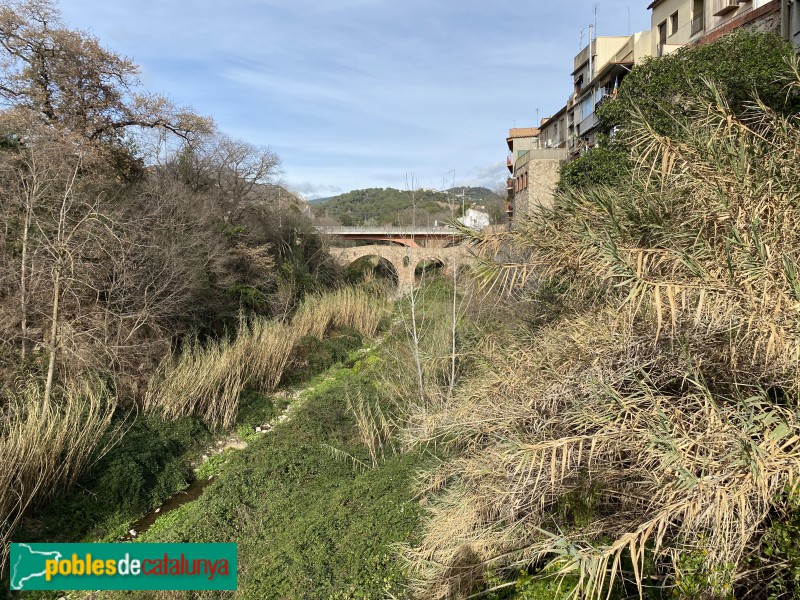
{"x":193,"y":492}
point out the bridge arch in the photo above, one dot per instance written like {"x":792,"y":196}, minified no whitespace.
{"x":378,"y":265}
{"x":404,"y":259}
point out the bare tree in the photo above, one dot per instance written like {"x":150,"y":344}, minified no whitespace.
{"x":66,"y":79}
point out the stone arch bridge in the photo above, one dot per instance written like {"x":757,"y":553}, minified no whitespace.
{"x":406,"y":248}
{"x":405,"y":259}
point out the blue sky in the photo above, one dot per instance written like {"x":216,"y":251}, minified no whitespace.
{"x":361,"y":93}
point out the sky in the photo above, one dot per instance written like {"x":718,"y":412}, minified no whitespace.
{"x":354,"y":94}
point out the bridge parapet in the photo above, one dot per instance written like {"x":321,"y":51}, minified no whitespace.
{"x":386,"y":231}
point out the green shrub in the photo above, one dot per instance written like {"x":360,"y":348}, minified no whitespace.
{"x":312,"y":355}
{"x":147,"y":466}
{"x":740,"y":64}
{"x":604,"y":165}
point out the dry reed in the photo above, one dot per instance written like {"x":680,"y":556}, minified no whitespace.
{"x":667,"y":407}
{"x":47,"y":445}
{"x":345,"y":307}
{"x":207,"y":380}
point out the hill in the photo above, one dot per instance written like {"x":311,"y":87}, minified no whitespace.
{"x":392,"y":206}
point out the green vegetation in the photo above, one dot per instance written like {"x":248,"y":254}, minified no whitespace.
{"x":397,"y":207}
{"x":305,"y":518}
{"x":149,"y":464}
{"x":606,"y":164}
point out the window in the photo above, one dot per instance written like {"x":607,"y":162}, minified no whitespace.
{"x":673,"y":23}
{"x":587,"y":108}
{"x":698,"y":9}
{"x":662,"y":33}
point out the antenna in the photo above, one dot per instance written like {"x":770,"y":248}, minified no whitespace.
{"x":595,"y":21}
{"x":580,"y":47}
{"x":537,"y":117}
{"x":629,"y":20}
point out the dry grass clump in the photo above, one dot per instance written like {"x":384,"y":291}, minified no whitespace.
{"x":375,"y":428}
{"x":206,"y":380}
{"x":45,"y":446}
{"x":662,"y":421}
{"x":344,"y":307}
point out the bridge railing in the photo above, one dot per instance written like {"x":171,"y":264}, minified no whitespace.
{"x":374,"y":230}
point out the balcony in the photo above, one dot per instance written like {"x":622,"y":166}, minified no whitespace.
{"x":723,"y":7}
{"x":587,"y":124}
{"x":698,"y":24}
{"x":664,"y":49}
{"x":509,"y":164}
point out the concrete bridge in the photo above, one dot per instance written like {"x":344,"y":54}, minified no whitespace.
{"x":405,"y":259}
{"x":412,"y":237}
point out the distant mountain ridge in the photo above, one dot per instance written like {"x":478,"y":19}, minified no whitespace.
{"x":386,"y":206}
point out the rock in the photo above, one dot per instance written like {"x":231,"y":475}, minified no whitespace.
{"x":133,"y":532}
{"x":205,"y":457}
{"x":258,"y":429}
{"x":158,"y":510}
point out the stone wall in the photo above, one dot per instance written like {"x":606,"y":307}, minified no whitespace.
{"x":539,"y":177}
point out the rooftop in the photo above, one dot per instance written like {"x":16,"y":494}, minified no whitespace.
{"x":519,"y":132}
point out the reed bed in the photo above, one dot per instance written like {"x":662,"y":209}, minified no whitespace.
{"x":46,"y":446}
{"x":345,"y":307}
{"x":664,"y":407}
{"x":206,"y":380}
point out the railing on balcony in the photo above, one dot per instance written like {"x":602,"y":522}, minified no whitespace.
{"x":698,"y":24}
{"x":509,"y":164}
{"x":723,"y":7}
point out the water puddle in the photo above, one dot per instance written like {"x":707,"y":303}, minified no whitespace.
{"x":193,"y":492}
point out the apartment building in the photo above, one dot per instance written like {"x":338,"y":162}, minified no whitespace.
{"x":677,"y":23}
{"x":536,"y":153}
{"x":598,"y":69}
{"x":533,"y":169}
{"x":520,"y":140}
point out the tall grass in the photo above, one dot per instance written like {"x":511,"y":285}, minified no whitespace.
{"x":206,"y":380}
{"x":345,"y":307}
{"x":375,"y":428}
{"x":657,"y":425}
{"x":45,"y":446}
